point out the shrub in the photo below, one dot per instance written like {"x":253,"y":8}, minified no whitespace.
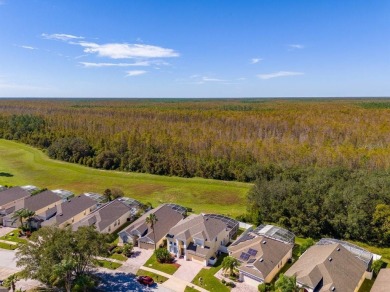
{"x":163,"y":255}
{"x":262,"y":287}
{"x":377,"y":266}
{"x":223,"y":281}
{"x":231,"y":284}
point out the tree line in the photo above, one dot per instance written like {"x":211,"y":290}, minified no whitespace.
{"x":339,"y":203}
{"x":220,"y":139}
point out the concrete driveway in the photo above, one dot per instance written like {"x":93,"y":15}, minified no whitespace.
{"x":5,"y":230}
{"x":7,"y":263}
{"x":188,"y":270}
{"x":137,"y":260}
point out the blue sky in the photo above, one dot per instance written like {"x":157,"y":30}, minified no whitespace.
{"x":262,"y":48}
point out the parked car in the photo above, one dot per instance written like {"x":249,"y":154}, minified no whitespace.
{"x":145,"y":280}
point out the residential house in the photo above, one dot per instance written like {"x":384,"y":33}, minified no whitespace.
{"x":69,"y":212}
{"x":201,"y":237}
{"x":108,"y":218}
{"x":262,"y":253}
{"x":328,"y":267}
{"x":141,"y":234}
{"x":38,"y":203}
{"x":382,"y":282}
{"x":9,"y":198}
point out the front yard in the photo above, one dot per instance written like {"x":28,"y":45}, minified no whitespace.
{"x":205,"y":278}
{"x":108,"y":264}
{"x":14,"y":237}
{"x":166,"y":268}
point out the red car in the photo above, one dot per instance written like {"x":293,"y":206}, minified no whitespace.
{"x":145,"y":280}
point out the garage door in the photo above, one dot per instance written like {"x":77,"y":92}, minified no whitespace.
{"x":250,"y":281}
{"x":197,"y":259}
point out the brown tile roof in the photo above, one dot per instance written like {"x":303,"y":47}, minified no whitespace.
{"x":197,"y":226}
{"x":166,"y":219}
{"x":326,"y":266}
{"x":9,"y":195}
{"x":382,"y":282}
{"x":269,"y":254}
{"x":70,"y":208}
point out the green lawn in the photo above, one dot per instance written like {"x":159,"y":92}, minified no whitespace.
{"x":190,"y":289}
{"x":108,"y":264}
{"x":8,"y":246}
{"x":366,"y":286}
{"x":14,"y":237}
{"x":119,"y":257}
{"x":156,"y":278}
{"x":26,"y":165}
{"x":166,"y":268}
{"x":209,"y":282}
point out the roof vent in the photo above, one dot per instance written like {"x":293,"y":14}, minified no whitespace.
{"x":61,"y":214}
{"x":261,"y":260}
{"x":330,"y":259}
{"x":264,"y":242}
{"x":333,"y":288}
{"x":338,"y":249}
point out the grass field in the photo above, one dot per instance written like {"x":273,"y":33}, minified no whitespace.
{"x":22,"y":165}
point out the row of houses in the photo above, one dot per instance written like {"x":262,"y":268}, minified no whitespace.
{"x":62,"y":208}
{"x":329,"y":265}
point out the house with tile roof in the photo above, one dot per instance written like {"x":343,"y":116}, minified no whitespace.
{"x":329,"y":267}
{"x":140,"y":233}
{"x":262,"y":253}
{"x":201,"y":237}
{"x":108,"y":218}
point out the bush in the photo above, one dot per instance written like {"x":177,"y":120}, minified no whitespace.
{"x":262,"y":288}
{"x":223,"y":281}
{"x":231,"y":284}
{"x":377,"y":266}
{"x":163,"y":256}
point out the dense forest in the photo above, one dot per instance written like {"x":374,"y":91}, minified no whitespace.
{"x":320,"y":166}
{"x":221,"y":139}
{"x":339,"y":203}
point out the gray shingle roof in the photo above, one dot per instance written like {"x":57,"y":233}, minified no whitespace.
{"x":41,"y":200}
{"x":70,"y":208}
{"x":326,"y":266}
{"x":9,"y":195}
{"x":198,"y":226}
{"x":269,"y":253}
{"x":167,"y":217}
{"x":105,"y":216}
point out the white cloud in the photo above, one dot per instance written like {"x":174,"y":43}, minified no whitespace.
{"x":296,"y":46}
{"x":28,"y":47}
{"x":241,"y":78}
{"x":204,"y":78}
{"x":256,"y":60}
{"x":135,"y":73}
{"x":98,"y":65}
{"x":61,"y":36}
{"x":279,"y":74}
{"x":127,"y":51}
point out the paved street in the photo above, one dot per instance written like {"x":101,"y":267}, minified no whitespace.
{"x":7,"y":263}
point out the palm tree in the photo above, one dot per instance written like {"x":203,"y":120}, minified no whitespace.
{"x":19,"y":214}
{"x":151,"y":220}
{"x":230,"y":264}
{"x":28,"y":215}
